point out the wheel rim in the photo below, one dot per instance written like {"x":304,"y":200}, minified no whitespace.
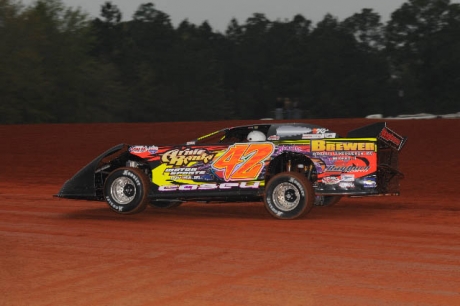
{"x":286,"y":196}
{"x":123,"y":190}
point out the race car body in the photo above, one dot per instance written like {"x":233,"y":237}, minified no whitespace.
{"x":290,"y":166}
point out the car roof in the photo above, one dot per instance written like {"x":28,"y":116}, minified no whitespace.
{"x":292,"y":131}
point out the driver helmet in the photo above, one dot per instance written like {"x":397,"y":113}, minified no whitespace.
{"x":256,"y":136}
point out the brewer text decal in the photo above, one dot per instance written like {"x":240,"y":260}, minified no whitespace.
{"x":322,"y":145}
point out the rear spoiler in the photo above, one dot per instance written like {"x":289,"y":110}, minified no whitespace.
{"x":380,"y":131}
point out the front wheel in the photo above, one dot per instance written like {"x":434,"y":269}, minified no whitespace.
{"x":289,"y":195}
{"x":126,"y":190}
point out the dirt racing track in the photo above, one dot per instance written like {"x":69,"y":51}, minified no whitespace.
{"x":363,"y":251}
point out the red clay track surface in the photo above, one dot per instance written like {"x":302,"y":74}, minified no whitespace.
{"x":362,"y":251}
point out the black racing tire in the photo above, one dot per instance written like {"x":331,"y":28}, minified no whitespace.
{"x":323,"y":201}
{"x":126,"y":190}
{"x":165,"y":204}
{"x":289,"y":195}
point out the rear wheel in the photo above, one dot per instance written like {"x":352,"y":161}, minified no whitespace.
{"x":126,"y":190}
{"x":289,"y":195}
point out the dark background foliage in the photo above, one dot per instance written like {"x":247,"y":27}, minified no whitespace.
{"x":58,"y":65}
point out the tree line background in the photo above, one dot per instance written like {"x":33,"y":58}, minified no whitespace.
{"x":59,"y":65}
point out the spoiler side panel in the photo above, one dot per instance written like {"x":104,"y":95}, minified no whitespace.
{"x":380,"y":131}
{"x":389,"y":145}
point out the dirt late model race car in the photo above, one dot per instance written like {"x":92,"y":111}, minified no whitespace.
{"x":290,"y":166}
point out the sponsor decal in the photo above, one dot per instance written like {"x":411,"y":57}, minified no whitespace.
{"x":137,"y":149}
{"x":184,"y":157}
{"x":331,"y":180}
{"x":273,"y":137}
{"x":152,"y":149}
{"x":184,"y":173}
{"x":312,"y":136}
{"x":291,"y":148}
{"x":344,"y":158}
{"x":334,"y":168}
{"x":318,"y":134}
{"x":391,"y":137}
{"x":347,"y":185}
{"x":243,"y":161}
{"x":319,"y":130}
{"x":323,"y":145}
{"x":223,"y":186}
{"x":369,"y":183}
{"x":347,"y":177}
{"x":143,"y":149}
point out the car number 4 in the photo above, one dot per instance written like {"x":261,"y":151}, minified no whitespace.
{"x":243,"y":161}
